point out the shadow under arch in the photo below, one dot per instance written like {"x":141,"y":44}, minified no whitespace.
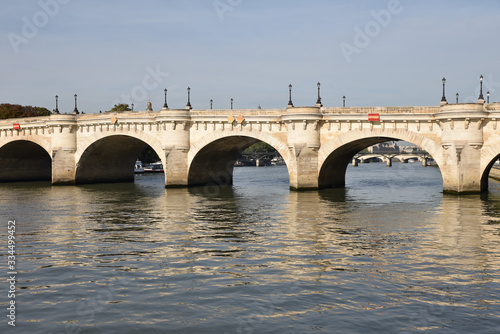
{"x":213,"y":164}
{"x":24,"y":160}
{"x":109,"y":159}
{"x":333,"y":170}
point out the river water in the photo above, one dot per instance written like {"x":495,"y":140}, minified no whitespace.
{"x":390,"y":253}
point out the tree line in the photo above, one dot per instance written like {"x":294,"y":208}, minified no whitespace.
{"x":8,"y":110}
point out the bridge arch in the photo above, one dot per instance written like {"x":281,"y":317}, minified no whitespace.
{"x":111,"y":157}
{"x":488,"y":158}
{"x":25,"y":160}
{"x":211,"y":159}
{"x":335,"y":155}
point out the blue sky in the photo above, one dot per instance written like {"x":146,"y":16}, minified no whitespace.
{"x":113,"y":51}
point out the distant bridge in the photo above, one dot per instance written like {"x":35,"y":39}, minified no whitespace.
{"x":388,"y":158}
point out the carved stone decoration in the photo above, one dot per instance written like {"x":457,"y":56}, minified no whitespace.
{"x":466,"y":123}
{"x":418,"y":125}
{"x":459,"y":146}
{"x":459,"y":152}
{"x":480,"y":123}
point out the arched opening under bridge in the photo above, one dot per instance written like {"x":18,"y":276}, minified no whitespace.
{"x":492,"y":170}
{"x":333,"y":171}
{"x":23,"y":160}
{"x":110,"y":159}
{"x":214,"y":163}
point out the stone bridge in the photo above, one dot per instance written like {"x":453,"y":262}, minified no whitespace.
{"x":389,"y":157}
{"x":199,"y":147}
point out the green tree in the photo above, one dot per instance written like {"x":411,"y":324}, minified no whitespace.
{"x":260,"y":147}
{"x":148,"y":156}
{"x":8,"y":110}
{"x":120,"y":108}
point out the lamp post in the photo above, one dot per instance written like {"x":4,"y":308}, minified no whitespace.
{"x":318,"y":101}
{"x":165,"y":105}
{"x":56,"y":111}
{"x":188,"y":105}
{"x":487,"y":97}
{"x":290,"y":103}
{"x":211,"y":103}
{"x":481,"y":97}
{"x":343,"y":101}
{"x":76,"y":109}
{"x":132,"y":107}
{"x":443,"y":99}
{"x":457,"y":97}
{"x":231,"y":103}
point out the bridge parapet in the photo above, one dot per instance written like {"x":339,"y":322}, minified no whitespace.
{"x":380,"y":110}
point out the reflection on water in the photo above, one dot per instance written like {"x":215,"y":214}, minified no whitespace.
{"x":389,"y":253}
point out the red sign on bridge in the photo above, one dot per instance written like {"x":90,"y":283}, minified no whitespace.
{"x":373,"y":117}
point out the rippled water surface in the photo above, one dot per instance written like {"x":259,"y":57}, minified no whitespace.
{"x":388,"y":254}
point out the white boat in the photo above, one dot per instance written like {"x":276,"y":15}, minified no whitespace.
{"x":155,"y":167}
{"x":138,"y":169}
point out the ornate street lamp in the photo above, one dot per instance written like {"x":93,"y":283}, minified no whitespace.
{"x":231,"y":103}
{"x":290,"y":103}
{"x":343,"y":101}
{"x":488,"y":97}
{"x":56,"y":111}
{"x":211,"y":103}
{"x":318,"y":101}
{"x":457,"y":97}
{"x":165,"y":105}
{"x":76,"y":109}
{"x":132,"y":107}
{"x":481,"y":97}
{"x":188,"y":105}
{"x":443,"y":99}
